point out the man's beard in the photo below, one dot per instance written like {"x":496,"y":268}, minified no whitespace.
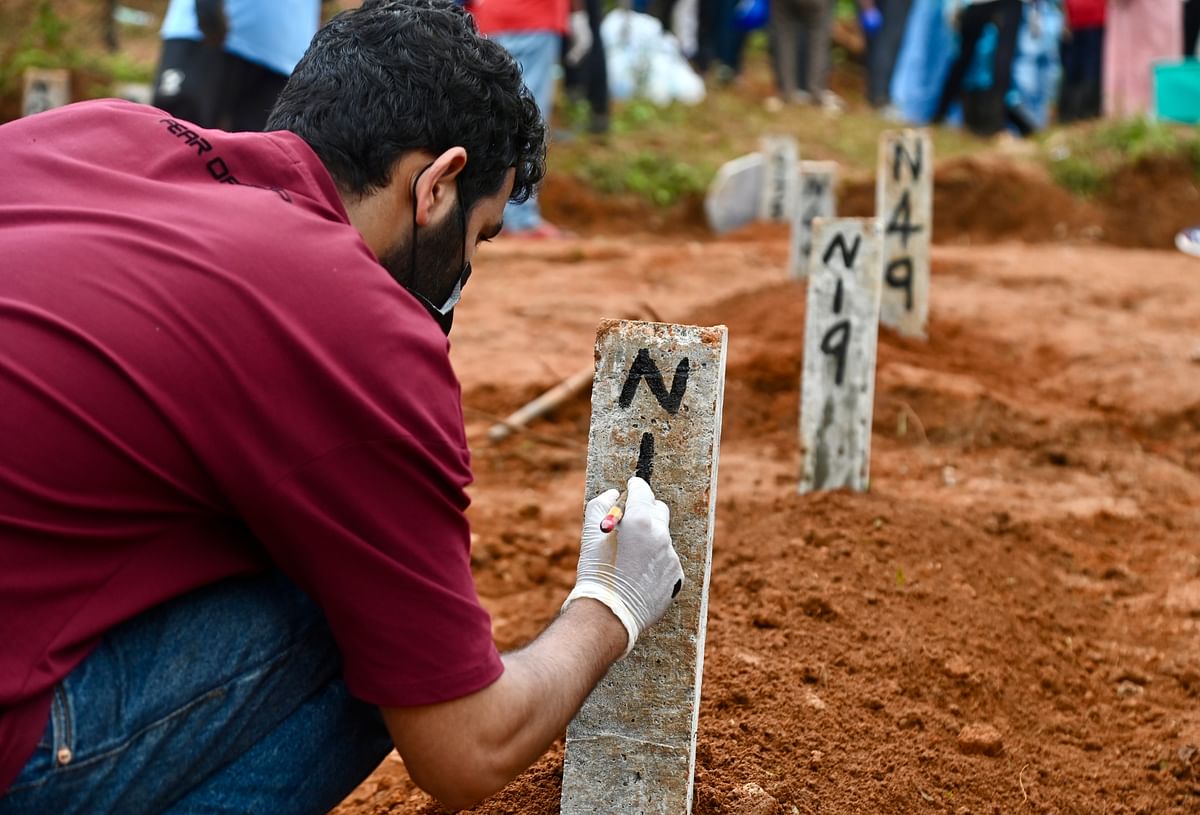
{"x":438,"y":260}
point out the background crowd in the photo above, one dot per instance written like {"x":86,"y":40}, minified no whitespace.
{"x":991,"y":65}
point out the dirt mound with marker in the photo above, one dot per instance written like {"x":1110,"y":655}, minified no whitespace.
{"x":977,"y":199}
{"x":1006,"y":622}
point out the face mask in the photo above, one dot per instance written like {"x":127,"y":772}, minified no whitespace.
{"x":443,"y":314}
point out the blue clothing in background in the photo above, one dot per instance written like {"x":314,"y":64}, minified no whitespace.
{"x":271,"y":33}
{"x":537,"y":53}
{"x":931,"y":46}
{"x":1037,"y":68}
{"x":929,"y":49}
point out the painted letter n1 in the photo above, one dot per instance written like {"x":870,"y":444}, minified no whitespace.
{"x":656,"y":407}
{"x":840,"y":336}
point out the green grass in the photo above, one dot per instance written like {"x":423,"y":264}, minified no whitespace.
{"x":1084,"y":159}
{"x":663,"y":155}
{"x":48,"y":40}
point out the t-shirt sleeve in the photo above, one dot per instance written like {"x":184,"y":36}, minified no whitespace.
{"x":375,"y":533}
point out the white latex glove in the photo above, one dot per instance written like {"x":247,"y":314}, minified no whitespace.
{"x":634,"y":569}
{"x":580,"y":34}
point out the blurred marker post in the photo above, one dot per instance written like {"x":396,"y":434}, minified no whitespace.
{"x":656,"y":409}
{"x":840,"y":337}
{"x":45,"y":89}
{"x":904,"y":205}
{"x":781,"y":158}
{"x":734,"y":196}
{"x":816,"y":197}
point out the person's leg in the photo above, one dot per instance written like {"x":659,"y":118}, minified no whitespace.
{"x":726,"y":33}
{"x":885,"y":49}
{"x":737,"y":56}
{"x":308,"y":764}
{"x":171,"y":699}
{"x":595,"y":69}
{"x":1070,"y":92}
{"x":1191,"y":27}
{"x":708,"y":28}
{"x":251,"y":93}
{"x":188,"y":82}
{"x":785,"y":25}
{"x":1092,"y":67}
{"x":818,"y":38}
{"x":971,"y":26}
{"x":1006,"y":15}
{"x":536,"y":52}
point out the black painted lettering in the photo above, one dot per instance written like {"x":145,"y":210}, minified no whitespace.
{"x":645,"y":462}
{"x":836,"y":343}
{"x":901,"y":156}
{"x":838,"y":297}
{"x":901,"y":220}
{"x":644,"y":368}
{"x":202,"y":147}
{"x":849,"y":253}
{"x":899,"y":275}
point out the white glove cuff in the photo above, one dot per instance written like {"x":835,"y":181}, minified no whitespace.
{"x":594,"y":591}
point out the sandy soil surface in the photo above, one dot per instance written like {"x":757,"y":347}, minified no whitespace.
{"x":1008,"y":621}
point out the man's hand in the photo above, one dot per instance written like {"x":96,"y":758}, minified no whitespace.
{"x":466,"y":749}
{"x":210,"y":16}
{"x":633,"y":570}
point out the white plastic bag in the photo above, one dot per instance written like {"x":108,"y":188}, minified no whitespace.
{"x":646,"y":62}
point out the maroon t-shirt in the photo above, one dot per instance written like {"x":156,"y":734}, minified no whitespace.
{"x":204,"y":371}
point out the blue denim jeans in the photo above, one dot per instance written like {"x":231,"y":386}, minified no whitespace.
{"x":226,"y":700}
{"x":537,"y":53}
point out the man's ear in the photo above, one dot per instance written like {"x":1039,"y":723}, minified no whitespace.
{"x":437,"y":188}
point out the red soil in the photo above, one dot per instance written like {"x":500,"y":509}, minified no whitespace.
{"x":1007,"y":621}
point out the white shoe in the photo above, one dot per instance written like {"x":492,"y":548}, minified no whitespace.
{"x":1188,"y":241}
{"x":832,"y":103}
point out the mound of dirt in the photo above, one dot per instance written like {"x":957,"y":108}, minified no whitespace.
{"x":1148,"y":203}
{"x":977,"y":199}
{"x":981,"y":199}
{"x":1006,"y":622}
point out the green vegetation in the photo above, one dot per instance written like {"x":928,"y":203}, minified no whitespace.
{"x":1085,"y":159}
{"x":39,"y":36}
{"x":669,"y":154}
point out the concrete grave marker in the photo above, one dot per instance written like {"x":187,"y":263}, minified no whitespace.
{"x":816,"y":197}
{"x":781,"y":157}
{"x":904,"y":205}
{"x":656,"y":408}
{"x":840,"y":336}
{"x":45,"y":89}
{"x":733,"y":198}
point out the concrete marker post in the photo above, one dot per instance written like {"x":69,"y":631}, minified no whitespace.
{"x":656,"y":408}
{"x":840,"y":338}
{"x":904,"y":205}
{"x":45,"y":89}
{"x":781,"y":157}
{"x":816,"y":197}
{"x":733,"y":197}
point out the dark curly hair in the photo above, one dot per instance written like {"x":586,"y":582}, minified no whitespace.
{"x":400,"y":75}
